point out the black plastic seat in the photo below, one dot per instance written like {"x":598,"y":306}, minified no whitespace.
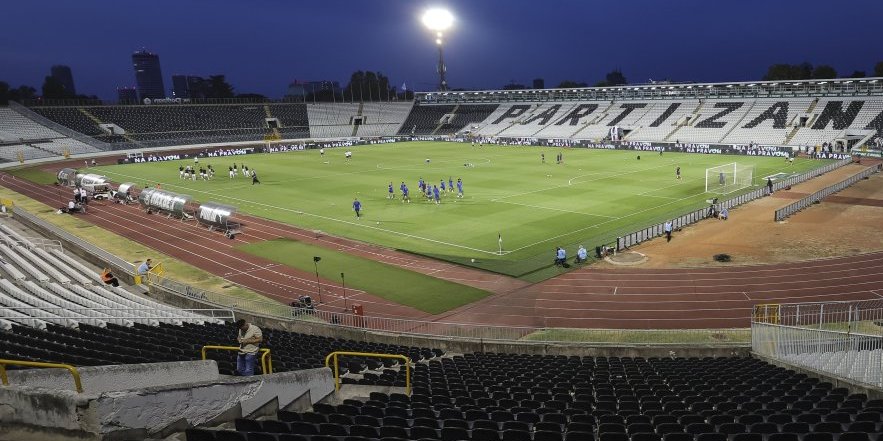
{"x":711,"y":437}
{"x":485,"y":435}
{"x":545,"y":435}
{"x":854,"y":436}
{"x":454,"y":434}
{"x":199,"y":435}
{"x":763,"y":428}
{"x":784,"y":436}
{"x":747,"y":437}
{"x":364,"y":431}
{"x":230,"y":435}
{"x":422,"y":432}
{"x":612,"y":436}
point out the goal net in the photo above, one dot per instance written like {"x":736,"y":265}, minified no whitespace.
{"x":728,"y":178}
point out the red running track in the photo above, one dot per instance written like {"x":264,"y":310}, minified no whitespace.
{"x":586,"y":298}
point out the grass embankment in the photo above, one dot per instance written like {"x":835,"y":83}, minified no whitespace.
{"x":130,"y":250}
{"x":395,"y":284}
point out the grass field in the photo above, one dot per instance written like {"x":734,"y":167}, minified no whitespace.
{"x":595,"y":196}
{"x":417,"y":290}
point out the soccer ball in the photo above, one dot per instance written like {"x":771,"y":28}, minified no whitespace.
{"x":473,"y":260}
{"x":378,"y":223}
{"x":427,"y":160}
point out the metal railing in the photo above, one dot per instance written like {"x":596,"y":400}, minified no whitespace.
{"x":695,"y":215}
{"x":786,"y":211}
{"x":333,"y":357}
{"x":840,"y":338}
{"x":73,"y":370}
{"x":266,"y":361}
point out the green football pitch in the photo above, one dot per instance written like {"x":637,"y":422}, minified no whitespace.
{"x":590,"y":199}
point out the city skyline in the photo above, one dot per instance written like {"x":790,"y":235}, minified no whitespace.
{"x":263,"y":46}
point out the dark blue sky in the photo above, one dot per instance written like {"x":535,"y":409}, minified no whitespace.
{"x":262,"y":45}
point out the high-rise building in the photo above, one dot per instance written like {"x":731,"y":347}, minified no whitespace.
{"x":127,"y":95}
{"x":148,"y":75}
{"x":189,"y":86}
{"x":64,"y":76}
{"x":539,"y":83}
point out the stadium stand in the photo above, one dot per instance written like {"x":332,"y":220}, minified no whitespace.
{"x":331,"y":120}
{"x":51,"y":310}
{"x":181,"y":124}
{"x":423,"y":120}
{"x":21,"y":138}
{"x":510,"y":397}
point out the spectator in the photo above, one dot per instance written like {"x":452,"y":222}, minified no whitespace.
{"x":581,"y":254}
{"x":249,"y":338}
{"x":108,"y":278}
{"x":667,"y":229}
{"x":724,"y":214}
{"x":145,"y":267}
{"x":769,"y":185}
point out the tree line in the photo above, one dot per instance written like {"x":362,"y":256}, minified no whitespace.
{"x":375,"y":86}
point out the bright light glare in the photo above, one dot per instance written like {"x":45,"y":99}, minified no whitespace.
{"x":438,"y":19}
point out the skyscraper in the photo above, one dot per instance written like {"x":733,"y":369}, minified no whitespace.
{"x":65,"y":77}
{"x":148,"y":75}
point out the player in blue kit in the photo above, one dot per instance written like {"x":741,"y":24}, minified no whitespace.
{"x":357,"y":207}
{"x":459,"y":187}
{"x":392,"y":194}
{"x":435,"y":194}
{"x":442,"y":186}
{"x":405,"y":196}
{"x":450,"y":184}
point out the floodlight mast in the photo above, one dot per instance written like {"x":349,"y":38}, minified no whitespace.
{"x":439,"y":20}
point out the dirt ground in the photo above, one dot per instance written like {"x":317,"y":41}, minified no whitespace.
{"x":849,"y":222}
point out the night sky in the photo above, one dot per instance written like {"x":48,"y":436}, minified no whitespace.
{"x":262,"y":45}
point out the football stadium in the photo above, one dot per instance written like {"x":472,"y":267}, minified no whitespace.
{"x":660,"y":260}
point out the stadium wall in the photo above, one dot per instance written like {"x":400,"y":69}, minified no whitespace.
{"x":153,"y":411}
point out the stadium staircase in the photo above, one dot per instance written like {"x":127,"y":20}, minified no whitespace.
{"x":441,"y":124}
{"x":809,"y":111}
{"x":358,"y":113}
{"x":693,"y":116}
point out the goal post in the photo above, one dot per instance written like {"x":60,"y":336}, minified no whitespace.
{"x":728,"y":178}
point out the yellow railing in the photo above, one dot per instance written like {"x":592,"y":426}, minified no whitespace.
{"x":38,"y":364}
{"x":334,"y":355}
{"x":266,"y":361}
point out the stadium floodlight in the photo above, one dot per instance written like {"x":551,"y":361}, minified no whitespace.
{"x":439,"y":20}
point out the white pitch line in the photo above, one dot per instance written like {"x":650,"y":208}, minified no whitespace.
{"x":359,"y":224}
{"x":554,"y":209}
{"x":603,"y":223}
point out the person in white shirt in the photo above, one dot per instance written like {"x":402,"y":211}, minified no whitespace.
{"x":581,"y":254}
{"x":144,"y":268}
{"x":249,"y":337}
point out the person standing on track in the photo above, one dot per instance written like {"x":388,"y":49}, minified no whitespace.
{"x":667,"y":229}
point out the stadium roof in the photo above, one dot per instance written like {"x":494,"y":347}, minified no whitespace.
{"x":754,"y":89}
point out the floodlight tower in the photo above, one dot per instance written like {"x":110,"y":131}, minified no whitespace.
{"x":439,"y":20}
